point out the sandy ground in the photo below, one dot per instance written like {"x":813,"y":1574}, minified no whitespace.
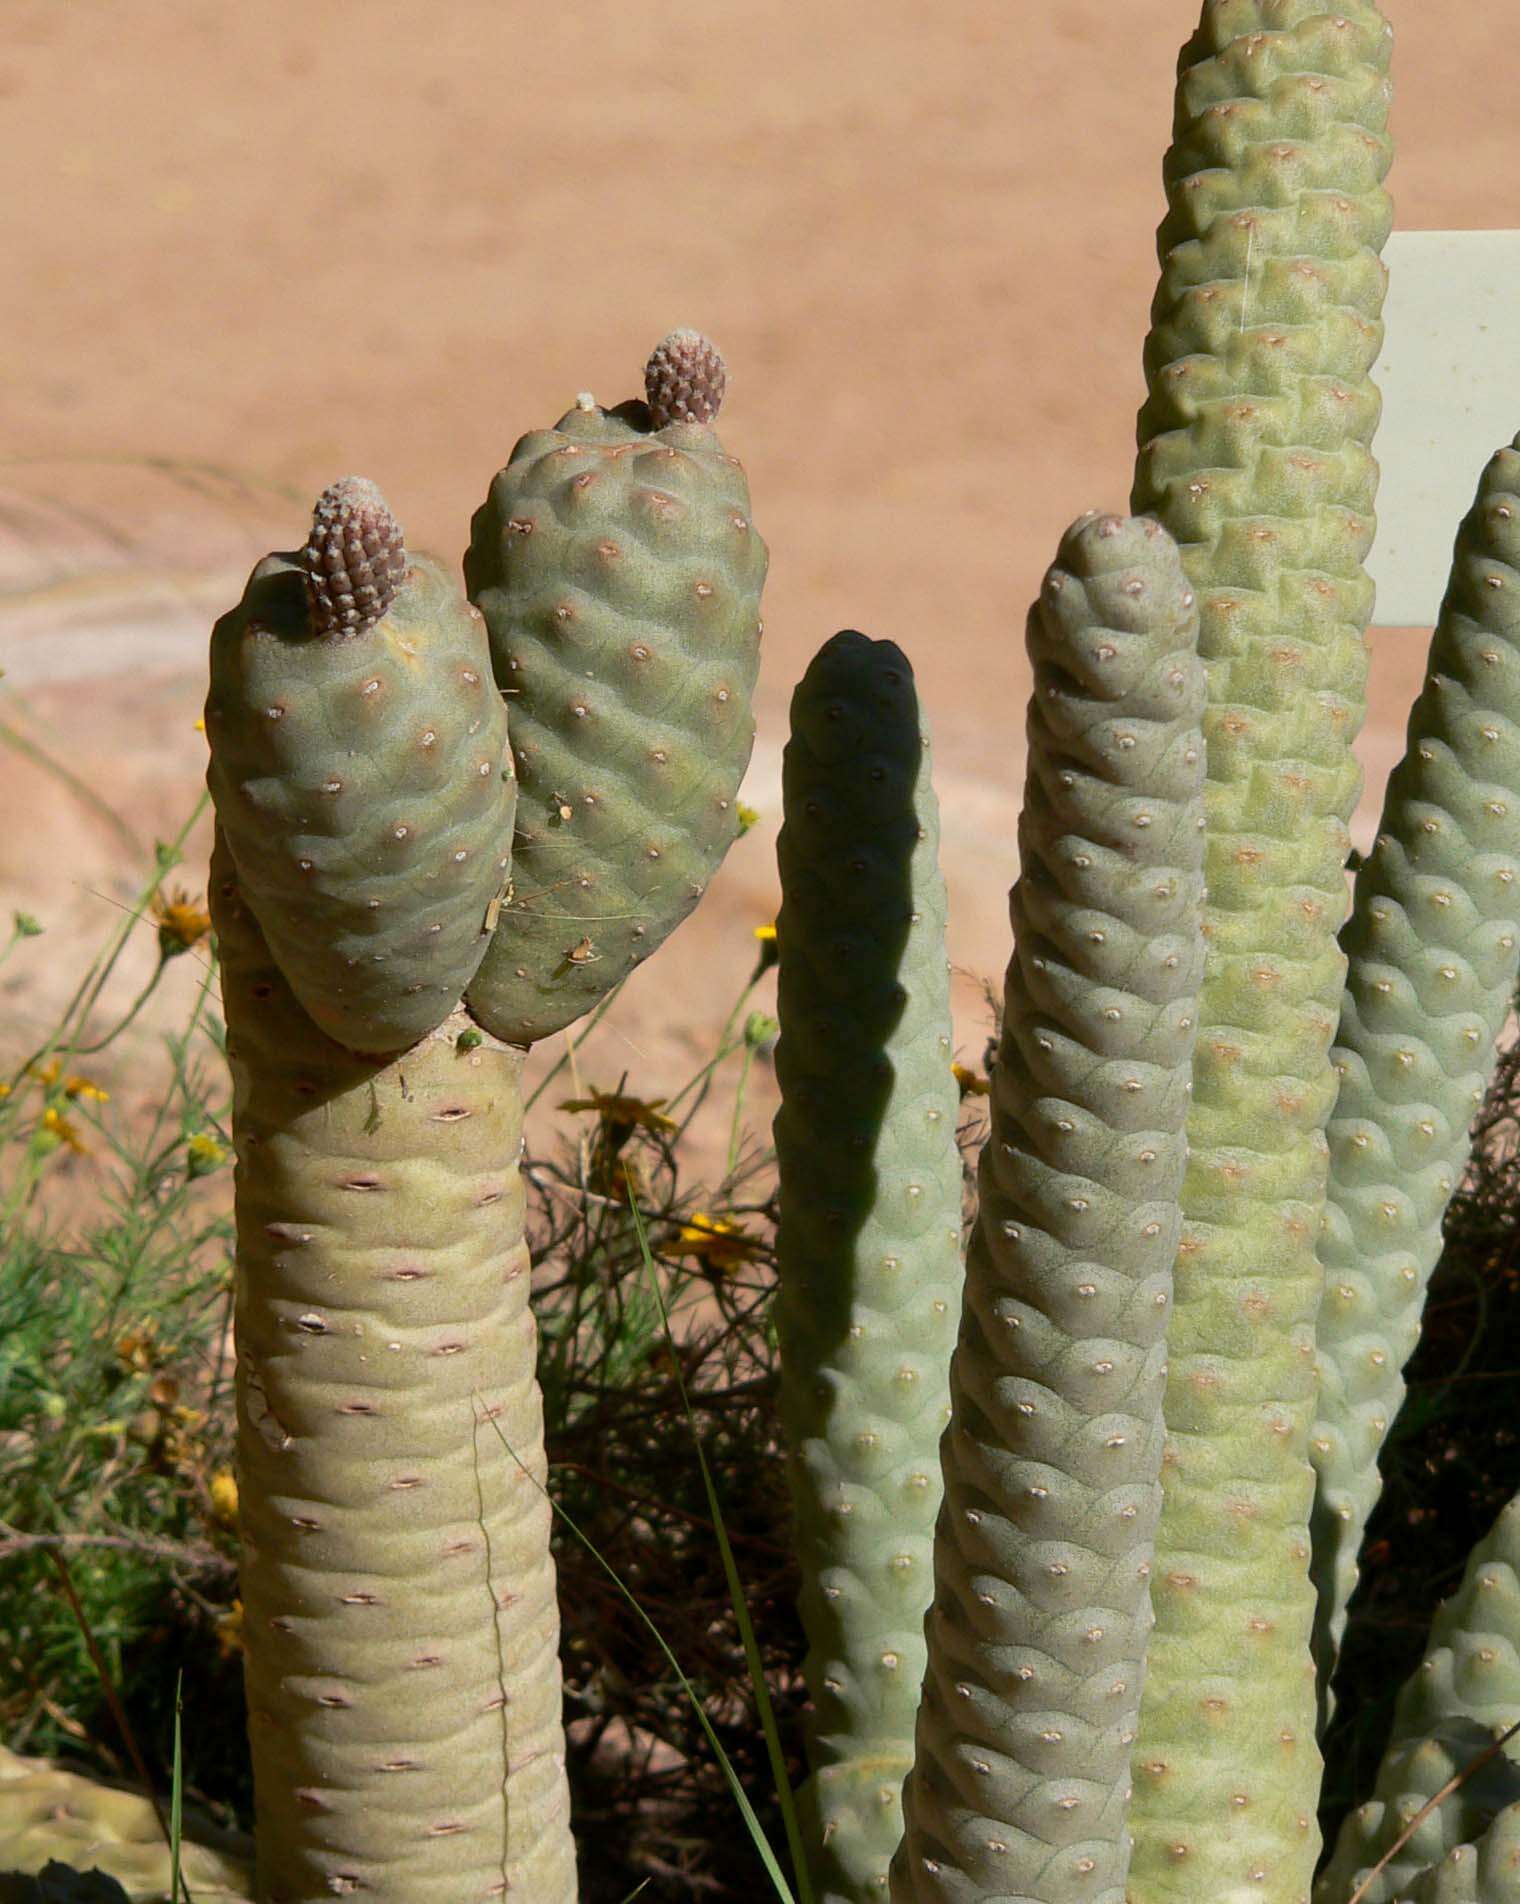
{"x":247,"y":249}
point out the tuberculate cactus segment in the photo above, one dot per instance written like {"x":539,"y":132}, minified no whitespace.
{"x":1463,"y":1696}
{"x":361,"y":773}
{"x":618,"y":569}
{"x":402,"y":1659}
{"x":64,"y":1829}
{"x":1255,"y":454}
{"x":1487,"y":1872}
{"x":1052,"y":1461}
{"x":684,"y":380}
{"x":870,"y":1229}
{"x":1434,"y":948}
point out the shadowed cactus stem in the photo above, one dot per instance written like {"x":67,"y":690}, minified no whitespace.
{"x":1434,"y":947}
{"x":868,"y":1248}
{"x":1462,"y":1698}
{"x":1052,"y":1460}
{"x":1255,"y":454}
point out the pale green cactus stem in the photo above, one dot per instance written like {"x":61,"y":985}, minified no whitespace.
{"x":1434,"y":947}
{"x":1484,"y":1872}
{"x":869,"y":1244}
{"x":401,"y":1632}
{"x":361,"y":773}
{"x":1463,"y":1696}
{"x":1255,"y":454}
{"x":49,"y":1814}
{"x":617,"y":565}
{"x":1052,"y":1461}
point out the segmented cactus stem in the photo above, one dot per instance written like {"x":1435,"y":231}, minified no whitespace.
{"x":1463,"y":1696}
{"x":1434,"y":949}
{"x":1256,"y":455}
{"x":1053,"y":1457}
{"x":354,"y":560}
{"x":869,"y":1243}
{"x":685,"y":379}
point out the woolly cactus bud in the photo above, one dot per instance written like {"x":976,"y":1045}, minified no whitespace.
{"x":619,"y":573}
{"x":361,"y":773}
{"x":1462,"y":1697}
{"x":868,"y":1248}
{"x":1434,"y":948}
{"x":685,"y":379}
{"x":355,"y":558}
{"x":1255,"y":453}
{"x":1052,"y":1460}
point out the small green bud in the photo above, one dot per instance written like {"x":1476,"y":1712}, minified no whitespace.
{"x":26,"y":926}
{"x":467,"y":1040}
{"x":761,"y":1031}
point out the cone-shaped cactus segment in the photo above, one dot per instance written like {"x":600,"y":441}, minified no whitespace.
{"x":354,"y":559}
{"x":1434,"y":949}
{"x":1052,"y":1460}
{"x":619,"y":572}
{"x":401,"y":1634}
{"x":685,"y":379}
{"x":1462,"y":1698}
{"x":361,"y":773}
{"x":1486,"y":1871}
{"x":868,"y":1249}
{"x":1255,"y":454}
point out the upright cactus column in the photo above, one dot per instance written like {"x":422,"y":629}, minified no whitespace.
{"x":1255,"y":454}
{"x":868,"y":1248}
{"x":1434,"y":948}
{"x":401,"y":1631}
{"x":1052,"y":1461}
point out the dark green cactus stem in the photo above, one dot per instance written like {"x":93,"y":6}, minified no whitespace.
{"x":1434,"y":949}
{"x":1255,"y":454}
{"x":401,"y":1629}
{"x":360,"y":769}
{"x":869,"y":1241}
{"x":618,"y":569}
{"x":1462,"y":1698}
{"x":1052,"y":1461}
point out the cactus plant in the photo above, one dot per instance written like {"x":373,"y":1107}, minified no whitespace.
{"x":869,"y":1244}
{"x":619,"y":572}
{"x":1052,"y":1461}
{"x":402,"y":1633}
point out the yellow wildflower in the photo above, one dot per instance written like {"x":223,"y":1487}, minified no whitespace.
{"x":138,"y":1348}
{"x":54,"y":1129}
{"x":766,"y":934}
{"x":770,"y":951}
{"x":972,"y":1083}
{"x":182,"y":922}
{"x":223,"y":1489}
{"x":722,"y":1245}
{"x":229,"y":1630}
{"x":51,"y":1075}
{"x":747,"y":817}
{"x":200,"y":725}
{"x":612,"y":1108}
{"x":204,"y":1153}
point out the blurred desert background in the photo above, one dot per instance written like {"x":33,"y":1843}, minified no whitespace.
{"x":248,"y":249}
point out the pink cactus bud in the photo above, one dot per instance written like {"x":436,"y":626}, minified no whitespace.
{"x":685,"y":379}
{"x":355,"y":558}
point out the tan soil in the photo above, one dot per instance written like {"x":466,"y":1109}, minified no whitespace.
{"x":266,"y":245}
